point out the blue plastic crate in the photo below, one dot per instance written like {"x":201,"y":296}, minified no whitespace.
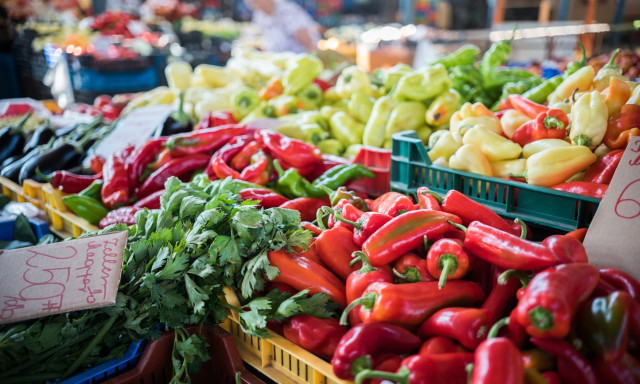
{"x":131,"y":81}
{"x":112,"y":368}
{"x":6,"y":228}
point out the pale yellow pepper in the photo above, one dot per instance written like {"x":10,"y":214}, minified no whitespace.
{"x":588,"y":120}
{"x":555,"y":165}
{"x":512,"y":120}
{"x":494,"y":146}
{"x":470,"y":158}
{"x":602,"y":150}
{"x":443,"y":107}
{"x":178,"y":74}
{"x":581,"y":79}
{"x":505,"y":168}
{"x":635,"y":96}
{"x":616,"y":95}
{"x":424,"y":133}
{"x":470,"y":115}
{"x":442,"y":145}
{"x":540,"y":145}
{"x":578,"y":176}
{"x":561,"y":105}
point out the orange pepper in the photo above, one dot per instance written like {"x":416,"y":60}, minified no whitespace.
{"x":617,"y":95}
{"x":273,"y":89}
{"x":622,"y":127}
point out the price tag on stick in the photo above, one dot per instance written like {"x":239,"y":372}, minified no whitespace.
{"x":61,"y":277}
{"x":613,"y":237}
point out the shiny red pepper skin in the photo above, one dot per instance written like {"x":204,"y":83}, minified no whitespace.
{"x":411,"y":304}
{"x":506,"y":250}
{"x":551,"y":124}
{"x":267,"y":197}
{"x":392,"y":203}
{"x":243,"y":158}
{"x":516,"y":332}
{"x":215,"y":119}
{"x":124,"y":215}
{"x":175,"y":167}
{"x":468,"y":326}
{"x":319,"y":336}
{"x":447,"y":260}
{"x":469,"y":210}
{"x":204,"y":140}
{"x":447,"y":368}
{"x":625,"y":370}
{"x":150,"y":202}
{"x":335,"y":247}
{"x":566,"y":249}
{"x":551,"y":299}
{"x":331,"y":222}
{"x":622,"y":281}
{"x":359,"y":280}
{"x":552,"y":377}
{"x":387,"y":362}
{"x":501,"y":297}
{"x":601,"y":172}
{"x":438,"y":345}
{"x":426,"y":200}
{"x":96,"y":163}
{"x":497,"y":360}
{"x":410,"y":268}
{"x":351,"y":213}
{"x":583,"y":188}
{"x":70,"y":182}
{"x":526,"y":106}
{"x":573,"y":367}
{"x":140,"y":158}
{"x":115,"y":190}
{"x":363,"y":342}
{"x":233,"y":147}
{"x":292,"y":152}
{"x":404,"y":233}
{"x":220,"y":169}
{"x":258,"y":172}
{"x":307,"y":206}
{"x":577,"y":234}
{"x":370,"y":222}
{"x":315,"y":230}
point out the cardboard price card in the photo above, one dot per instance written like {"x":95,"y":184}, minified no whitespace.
{"x":61,"y":277}
{"x":612,"y":239}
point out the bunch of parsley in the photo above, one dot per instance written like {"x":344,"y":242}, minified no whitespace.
{"x":176,"y":263}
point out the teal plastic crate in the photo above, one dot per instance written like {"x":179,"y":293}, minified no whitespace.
{"x":411,"y":168}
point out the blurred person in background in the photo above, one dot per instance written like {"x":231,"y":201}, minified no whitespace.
{"x":285,"y":26}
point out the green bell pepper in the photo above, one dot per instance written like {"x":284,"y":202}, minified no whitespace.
{"x":346,"y":129}
{"x":374,"y":131}
{"x":304,"y":70}
{"x":86,"y":207}
{"x":426,"y":83}
{"x":360,"y":106}
{"x":352,"y":80}
{"x":331,"y":147}
{"x":393,"y":75}
{"x":407,"y":115}
{"x":311,"y":96}
{"x":244,"y":101}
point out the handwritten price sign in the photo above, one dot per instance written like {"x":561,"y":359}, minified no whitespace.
{"x":61,"y":277}
{"x":612,"y":239}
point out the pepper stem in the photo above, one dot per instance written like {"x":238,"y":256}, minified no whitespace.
{"x":583,"y":140}
{"x":612,"y":61}
{"x":367,"y":301}
{"x":366,"y":264}
{"x":469,"y":369}
{"x":511,"y":273}
{"x":523,"y":227}
{"x":319,"y":218}
{"x":519,"y":175}
{"x":448,"y":264}
{"x":411,"y":275}
{"x":551,"y":122}
{"x":493,"y":332}
{"x":20,"y":125}
{"x":278,"y":167}
{"x":402,"y":377}
{"x":46,"y":178}
{"x":459,"y":226}
{"x":583,"y":60}
{"x":439,"y":198}
{"x":337,"y":215}
{"x":541,"y":318}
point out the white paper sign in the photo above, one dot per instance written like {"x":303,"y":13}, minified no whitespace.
{"x":612,"y":239}
{"x":61,"y":277}
{"x":134,"y":129}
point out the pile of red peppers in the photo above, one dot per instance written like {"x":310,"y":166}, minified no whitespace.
{"x":443,"y":290}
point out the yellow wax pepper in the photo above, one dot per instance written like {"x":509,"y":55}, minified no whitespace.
{"x":327,"y":111}
{"x":470,"y":115}
{"x":346,"y":129}
{"x":442,"y":145}
{"x":635,"y":96}
{"x":360,"y":106}
{"x":578,"y":176}
{"x":178,"y":75}
{"x":406,"y":115}
{"x":302,"y":73}
{"x":331,"y":96}
{"x":607,"y":72}
{"x":561,"y":105}
{"x":443,"y":107}
{"x":494,"y":146}
{"x":374,"y":131}
{"x":555,"y":165}
{"x":424,"y":133}
{"x":541,"y":145}
{"x":211,"y":75}
{"x":393,"y":75}
{"x":422,"y":84}
{"x":351,"y":80}
{"x":616,"y":95}
{"x":602,"y":150}
{"x":588,"y":120}
{"x":512,"y":120}
{"x":505,"y":168}
{"x":470,"y":158}
{"x":581,"y":79}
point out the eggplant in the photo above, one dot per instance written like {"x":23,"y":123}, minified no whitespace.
{"x":178,"y":121}
{"x":12,"y":171}
{"x":40,"y":136}
{"x":63,"y":157}
{"x":10,"y":160}
{"x":12,"y":139}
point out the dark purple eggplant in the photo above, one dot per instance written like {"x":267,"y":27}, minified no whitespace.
{"x":12,"y":139}
{"x":40,"y":136}
{"x":12,"y":171}
{"x":63,"y":157}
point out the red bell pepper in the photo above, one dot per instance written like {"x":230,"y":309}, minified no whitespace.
{"x":124,"y":215}
{"x":468,"y":210}
{"x":526,"y":106}
{"x":620,"y":128}
{"x":404,"y":233}
{"x":447,"y":260}
{"x":215,"y":119}
{"x":438,"y":345}
{"x":96,"y":162}
{"x":566,"y":249}
{"x":502,"y":295}
{"x":140,"y":158}
{"x":468,"y":326}
{"x":428,"y":200}
{"x":243,"y":158}
{"x":358,"y":281}
{"x":622,"y":281}
{"x":292,"y":152}
{"x":392,"y":204}
{"x":625,"y":370}
{"x":363,"y":342}
{"x":506,"y":250}
{"x":410,"y":268}
{"x":364,"y":226}
{"x":115,"y":190}
{"x":551,"y":124}
{"x":176,"y":167}
{"x":307,"y":206}
{"x":601,"y":172}
{"x":411,"y":304}
{"x":258,"y":172}
{"x":303,"y":273}
{"x":266,"y":197}
{"x":335,"y":248}
{"x":319,"y":336}
{"x":203,"y":141}
{"x":150,"y":202}
{"x":573,"y":367}
{"x":583,"y":188}
{"x":233,"y":147}
{"x":446,"y":368}
{"x":70,"y":182}
{"x":551,"y":299}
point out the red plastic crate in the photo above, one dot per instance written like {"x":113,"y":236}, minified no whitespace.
{"x":379,"y":161}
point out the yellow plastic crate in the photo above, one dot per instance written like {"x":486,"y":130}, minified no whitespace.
{"x":13,"y":190}
{"x":64,"y":223}
{"x":276,"y":357}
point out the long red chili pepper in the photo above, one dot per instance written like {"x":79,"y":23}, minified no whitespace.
{"x":448,"y":368}
{"x":307,"y":206}
{"x":410,"y":304}
{"x":447,"y":260}
{"x":175,"y":167}
{"x":625,"y":370}
{"x":566,"y":249}
{"x":363,"y":342}
{"x":70,"y":182}
{"x":243,"y":158}
{"x":150,"y":202}
{"x":576,"y":365}
{"x":96,"y":162}
{"x":501,"y":296}
{"x":428,"y":200}
{"x":622,"y":281}
{"x":392,"y":204}
{"x":233,"y":147}
{"x":404,"y":233}
{"x":220,"y":169}
{"x":295,"y":153}
{"x":267,"y":197}
{"x":359,"y":280}
{"x":140,"y":158}
{"x":602,"y":171}
{"x":204,"y":140}
{"x":215,"y":119}
{"x":469,"y":210}
{"x":551,"y":299}
{"x":583,"y":188}
{"x":386,"y":362}
{"x":526,"y":106}
{"x":125,"y":215}
{"x":468,"y":326}
{"x":438,"y":345}
{"x":335,"y":247}
{"x":366,"y":225}
{"x":258,"y":172}
{"x":115,"y":190}
{"x":578,"y":234}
